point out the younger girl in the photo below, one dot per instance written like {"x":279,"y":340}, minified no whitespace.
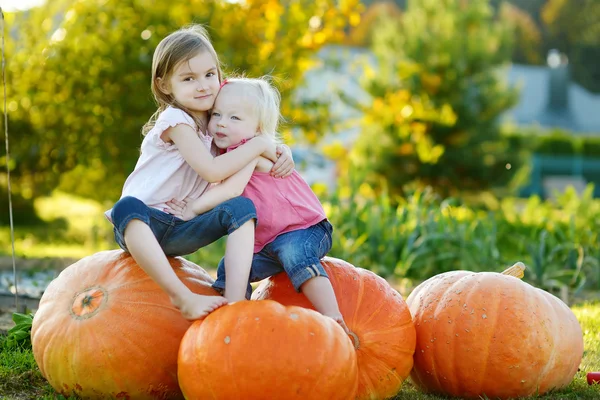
{"x":292,"y":233}
{"x":176,"y":163}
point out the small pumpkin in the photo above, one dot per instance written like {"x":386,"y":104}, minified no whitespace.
{"x":255,"y":350}
{"x":492,"y":334}
{"x":105,"y":329}
{"x":382,"y":329}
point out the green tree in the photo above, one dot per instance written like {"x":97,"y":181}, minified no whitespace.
{"x":528,"y":37}
{"x":436,"y":99}
{"x":573,"y":27}
{"x":79,"y":75}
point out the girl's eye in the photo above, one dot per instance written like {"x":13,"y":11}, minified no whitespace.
{"x":210,"y":74}
{"x":234,"y":117}
{"x":215,"y":114}
{"x":189,"y":78}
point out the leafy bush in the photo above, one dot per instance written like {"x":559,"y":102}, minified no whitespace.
{"x":19,"y":336}
{"x":425,"y":235}
{"x":436,"y":99}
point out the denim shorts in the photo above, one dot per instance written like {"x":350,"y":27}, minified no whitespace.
{"x":298,"y":253}
{"x":176,"y":236}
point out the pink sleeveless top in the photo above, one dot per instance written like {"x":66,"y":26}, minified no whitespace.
{"x":282,"y":205}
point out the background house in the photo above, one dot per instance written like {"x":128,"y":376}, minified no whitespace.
{"x":548,"y":99}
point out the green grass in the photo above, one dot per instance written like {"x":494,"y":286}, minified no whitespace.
{"x":21,"y":379}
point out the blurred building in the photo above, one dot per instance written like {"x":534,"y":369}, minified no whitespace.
{"x":548,"y":99}
{"x":551,"y":100}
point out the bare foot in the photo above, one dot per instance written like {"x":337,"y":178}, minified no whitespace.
{"x":195,"y":306}
{"x":340,"y":320}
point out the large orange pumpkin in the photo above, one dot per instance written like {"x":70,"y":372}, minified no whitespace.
{"x":492,"y":334}
{"x":255,"y":350}
{"x":105,"y":329}
{"x":381,"y":325}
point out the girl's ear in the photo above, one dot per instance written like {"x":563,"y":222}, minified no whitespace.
{"x":163,"y":86}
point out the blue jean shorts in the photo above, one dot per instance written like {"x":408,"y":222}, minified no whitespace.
{"x":176,"y":236}
{"x":298,"y":253}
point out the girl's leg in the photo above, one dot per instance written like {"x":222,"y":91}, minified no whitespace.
{"x":238,"y":260}
{"x":136,"y":229}
{"x":236,"y":218}
{"x":263,"y":266}
{"x":300,"y":253}
{"x":146,"y":251}
{"x":319,"y":292}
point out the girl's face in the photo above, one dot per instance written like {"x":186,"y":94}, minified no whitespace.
{"x":233,"y":117}
{"x":195,"y":83}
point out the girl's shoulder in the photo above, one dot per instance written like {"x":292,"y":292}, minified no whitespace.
{"x":173,"y":116}
{"x":170,"y":117}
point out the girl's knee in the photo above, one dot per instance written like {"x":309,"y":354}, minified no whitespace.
{"x":127,"y":205}
{"x":127,"y":209}
{"x":237,"y":212}
{"x":240,"y":206}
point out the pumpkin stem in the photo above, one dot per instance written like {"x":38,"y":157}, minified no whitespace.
{"x":355,"y":340}
{"x":517,"y":270}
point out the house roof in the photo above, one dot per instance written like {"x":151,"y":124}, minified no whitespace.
{"x":582,"y":115}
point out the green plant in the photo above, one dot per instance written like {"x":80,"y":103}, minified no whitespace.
{"x":19,"y":336}
{"x":435,"y":99}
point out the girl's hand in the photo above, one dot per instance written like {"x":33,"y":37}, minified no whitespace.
{"x":285,"y":163}
{"x":175,"y":208}
{"x":180,"y":209}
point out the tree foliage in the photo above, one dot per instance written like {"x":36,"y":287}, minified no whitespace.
{"x":436,"y":98}
{"x":573,"y":27}
{"x":79,"y":76}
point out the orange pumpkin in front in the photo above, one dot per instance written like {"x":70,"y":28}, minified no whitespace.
{"x":382,"y":329}
{"x":105,"y":329}
{"x":256,"y":350}
{"x":492,"y":334}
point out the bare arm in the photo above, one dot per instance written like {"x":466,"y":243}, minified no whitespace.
{"x":230,"y":188}
{"x":215,"y":169}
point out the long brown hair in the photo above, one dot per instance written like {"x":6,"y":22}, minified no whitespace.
{"x":179,"y":46}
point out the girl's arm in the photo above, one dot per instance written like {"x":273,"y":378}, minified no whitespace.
{"x":228,"y":189}
{"x":215,"y":169}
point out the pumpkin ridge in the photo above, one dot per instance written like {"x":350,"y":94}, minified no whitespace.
{"x":40,"y":331}
{"x":550,"y":363}
{"x":322,"y":361}
{"x":131,"y":283}
{"x":108,"y":350}
{"x":199,"y":332}
{"x":487,"y":340}
{"x":374,"y":313}
{"x":365,"y":335}
{"x":382,"y":364}
{"x":359,"y":299}
{"x":131,"y":343}
{"x":440,"y":302}
{"x":231,"y":354}
{"x":146,"y":303}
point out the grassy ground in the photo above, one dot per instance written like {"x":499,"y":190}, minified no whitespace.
{"x":21,"y":379}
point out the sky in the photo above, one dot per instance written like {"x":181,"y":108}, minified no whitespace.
{"x":13,"y":5}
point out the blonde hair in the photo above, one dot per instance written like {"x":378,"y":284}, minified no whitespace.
{"x":267,"y":101}
{"x":179,"y":46}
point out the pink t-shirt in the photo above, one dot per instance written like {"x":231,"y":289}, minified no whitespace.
{"x":161,"y":173}
{"x":282,"y":205}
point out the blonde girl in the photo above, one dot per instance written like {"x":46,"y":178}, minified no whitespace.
{"x":293,"y":232}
